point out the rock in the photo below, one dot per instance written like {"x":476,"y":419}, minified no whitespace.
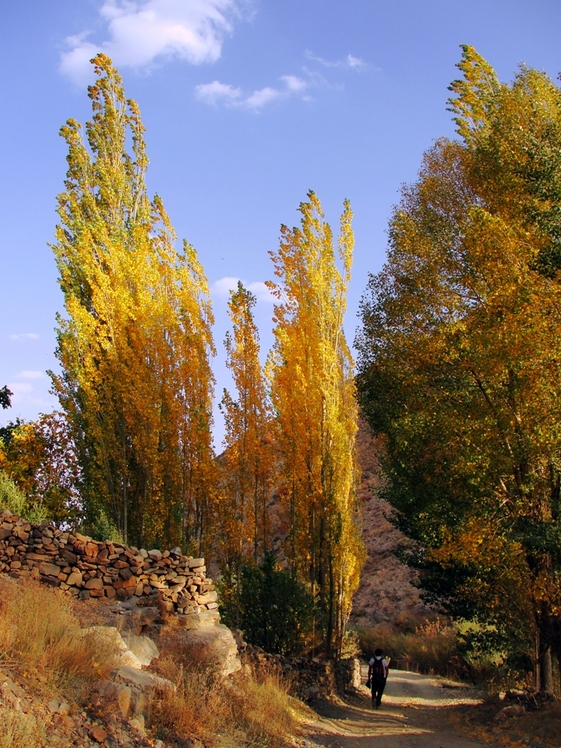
{"x":94,"y":584}
{"x":143,"y":648}
{"x":194,"y":621}
{"x":142,"y":679}
{"x":98,"y":734}
{"x":137,"y":723}
{"x":50,"y":570}
{"x":74,"y":578}
{"x":213,"y":647}
{"x":517,"y":710}
{"x":108,"y":636}
{"x":124,"y":694}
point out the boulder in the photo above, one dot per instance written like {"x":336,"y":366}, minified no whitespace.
{"x":517,"y":710}
{"x":195,"y":621}
{"x":143,"y":648}
{"x":109,"y":637}
{"x":213,"y":647}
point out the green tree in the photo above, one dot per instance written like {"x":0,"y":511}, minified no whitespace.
{"x":273,"y":609}
{"x":459,"y":352}
{"x":5,"y":397}
{"x":134,"y":346}
{"x":40,"y":458}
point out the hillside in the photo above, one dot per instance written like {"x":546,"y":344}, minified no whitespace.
{"x":386,"y":593}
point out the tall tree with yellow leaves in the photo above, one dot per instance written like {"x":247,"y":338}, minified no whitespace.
{"x":250,"y":455}
{"x":313,"y":394}
{"x":134,"y":345}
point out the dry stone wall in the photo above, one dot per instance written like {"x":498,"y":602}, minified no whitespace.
{"x":88,"y":568}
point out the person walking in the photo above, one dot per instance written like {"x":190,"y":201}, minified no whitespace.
{"x":377,"y":676}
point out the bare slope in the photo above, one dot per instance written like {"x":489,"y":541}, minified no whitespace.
{"x":386,"y":593}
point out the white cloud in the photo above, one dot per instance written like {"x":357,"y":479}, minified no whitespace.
{"x":221,"y":288}
{"x":25,"y":335}
{"x":216,"y":93}
{"x":223,"y":93}
{"x":20,"y":388}
{"x":350,"y":61}
{"x":30,"y":374}
{"x":141,"y":32}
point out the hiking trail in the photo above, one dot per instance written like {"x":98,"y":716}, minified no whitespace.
{"x":413,"y":714}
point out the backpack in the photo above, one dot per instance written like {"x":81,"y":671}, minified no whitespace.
{"x":378,"y":670}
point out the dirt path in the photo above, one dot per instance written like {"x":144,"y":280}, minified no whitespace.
{"x":414,"y":714}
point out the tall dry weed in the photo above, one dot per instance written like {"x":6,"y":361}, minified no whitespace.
{"x":38,"y":629}
{"x":238,"y":712}
{"x":19,"y":730}
{"x":432,"y":647}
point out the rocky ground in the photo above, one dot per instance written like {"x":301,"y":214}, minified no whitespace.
{"x":386,"y":593}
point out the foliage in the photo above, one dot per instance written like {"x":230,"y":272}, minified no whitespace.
{"x":15,"y":501}
{"x":463,"y":650}
{"x":313,"y":393}
{"x":41,"y":459}
{"x":5,"y":397}
{"x":459,"y":351}
{"x":134,"y":346}
{"x":272,"y":608}
{"x":249,"y":460}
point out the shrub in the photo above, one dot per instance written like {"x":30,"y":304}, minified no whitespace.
{"x":273,"y":609}
{"x":14,"y":500}
{"x":432,"y":647}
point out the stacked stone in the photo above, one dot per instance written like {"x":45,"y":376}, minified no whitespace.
{"x":88,"y":568}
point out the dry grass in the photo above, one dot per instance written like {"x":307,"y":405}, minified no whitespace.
{"x":538,"y":729}
{"x":39,"y":630}
{"x":19,"y":730}
{"x":432,"y":647}
{"x":240,"y":711}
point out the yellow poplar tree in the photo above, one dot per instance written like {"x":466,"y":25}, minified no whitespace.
{"x":313,"y":392}
{"x":250,"y":457}
{"x":134,"y":345}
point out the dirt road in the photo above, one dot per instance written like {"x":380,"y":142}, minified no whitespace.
{"x":413,"y":715}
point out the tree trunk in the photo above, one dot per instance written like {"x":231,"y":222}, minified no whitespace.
{"x":546,"y":670}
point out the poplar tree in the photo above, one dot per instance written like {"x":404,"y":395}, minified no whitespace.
{"x":135,"y":341}
{"x":313,"y":392}
{"x":249,"y":458}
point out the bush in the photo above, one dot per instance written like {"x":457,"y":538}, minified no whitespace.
{"x":272,"y":608}
{"x":14,"y":500}
{"x":463,"y":650}
{"x":431,"y":648}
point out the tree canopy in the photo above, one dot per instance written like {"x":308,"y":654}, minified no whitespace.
{"x":135,"y":343}
{"x":460,"y":351}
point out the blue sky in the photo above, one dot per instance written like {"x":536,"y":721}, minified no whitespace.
{"x":247,"y":105}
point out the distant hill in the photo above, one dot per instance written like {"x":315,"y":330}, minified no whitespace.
{"x":386,"y":593}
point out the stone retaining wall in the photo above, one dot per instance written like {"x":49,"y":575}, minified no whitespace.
{"x":87,"y":568}
{"x":308,"y":679}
